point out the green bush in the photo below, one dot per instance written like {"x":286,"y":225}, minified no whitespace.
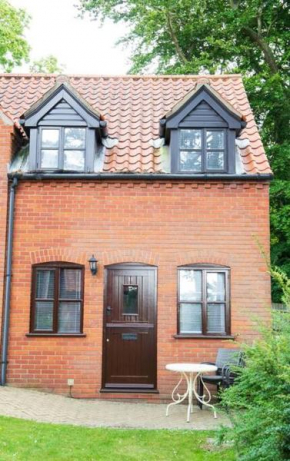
{"x":259,"y":402}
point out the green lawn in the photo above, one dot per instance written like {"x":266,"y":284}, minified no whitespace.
{"x":27,"y":440}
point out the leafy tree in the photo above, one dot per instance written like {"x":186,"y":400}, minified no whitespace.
{"x":247,"y":36}
{"x":191,"y":35}
{"x":47,"y":65}
{"x":13,"y":46}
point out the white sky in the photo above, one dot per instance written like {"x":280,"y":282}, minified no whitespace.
{"x":79,"y":44}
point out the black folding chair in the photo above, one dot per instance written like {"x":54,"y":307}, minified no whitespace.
{"x":225,"y":376}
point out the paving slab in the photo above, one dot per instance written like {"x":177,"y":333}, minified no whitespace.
{"x":50,"y":408}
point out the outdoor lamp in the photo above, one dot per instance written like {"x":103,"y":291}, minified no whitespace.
{"x":93,"y":265}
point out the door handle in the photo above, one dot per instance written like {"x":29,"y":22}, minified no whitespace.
{"x":108,"y":310}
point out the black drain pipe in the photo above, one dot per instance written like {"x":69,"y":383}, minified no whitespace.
{"x":6,"y":315}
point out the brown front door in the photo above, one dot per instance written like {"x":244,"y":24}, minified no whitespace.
{"x":129,"y":359}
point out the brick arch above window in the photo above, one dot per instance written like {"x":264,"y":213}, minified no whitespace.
{"x":208,"y":257}
{"x":58,"y":254}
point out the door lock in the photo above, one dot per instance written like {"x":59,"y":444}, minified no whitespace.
{"x":108,"y":309}
{"x":108,"y":340}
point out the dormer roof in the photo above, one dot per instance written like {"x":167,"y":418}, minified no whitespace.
{"x":61,"y":91}
{"x":192,"y":94}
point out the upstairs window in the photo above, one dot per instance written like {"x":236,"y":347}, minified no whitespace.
{"x":202,"y":150}
{"x":65,"y":132}
{"x":201,"y":130}
{"x":203,"y":301}
{"x":62,"y":148}
{"x":57,"y":299}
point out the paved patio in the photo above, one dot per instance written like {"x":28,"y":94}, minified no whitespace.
{"x":50,"y":408}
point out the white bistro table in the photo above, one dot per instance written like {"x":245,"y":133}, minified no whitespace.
{"x":187,"y":371}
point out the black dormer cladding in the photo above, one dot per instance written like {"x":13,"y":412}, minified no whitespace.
{"x":62,"y":114}
{"x":203,"y":115}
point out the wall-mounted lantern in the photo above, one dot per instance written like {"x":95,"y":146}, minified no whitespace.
{"x":93,"y":265}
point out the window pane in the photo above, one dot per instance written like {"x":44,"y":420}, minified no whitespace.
{"x":190,"y":160}
{"x":74,"y":160}
{"x":216,"y":318}
{"x":190,"y":285}
{"x":49,"y":138}
{"x":215,"y":161}
{"x":130,"y":299}
{"x":215,"y":139}
{"x":49,"y":159}
{"x":74,"y":138}
{"x":45,"y":284}
{"x":43,"y":315}
{"x":190,"y":139}
{"x":70,"y":283}
{"x":69,"y":317}
{"x":190,"y":318}
{"x":215,"y":286}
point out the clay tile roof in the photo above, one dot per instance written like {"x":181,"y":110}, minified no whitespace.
{"x":132,"y":107}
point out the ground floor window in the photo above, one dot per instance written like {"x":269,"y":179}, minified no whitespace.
{"x":203,"y":301}
{"x":57,"y":298}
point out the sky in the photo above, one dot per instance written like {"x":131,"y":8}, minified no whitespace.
{"x":81,"y":45}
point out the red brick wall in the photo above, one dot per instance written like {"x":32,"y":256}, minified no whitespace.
{"x":161,"y":223}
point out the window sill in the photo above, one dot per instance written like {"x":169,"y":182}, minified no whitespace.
{"x":57,"y":335}
{"x":204,"y":337}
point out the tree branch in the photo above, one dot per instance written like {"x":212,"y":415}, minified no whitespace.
{"x":259,"y":21}
{"x":264,"y":47}
{"x":174,"y":39}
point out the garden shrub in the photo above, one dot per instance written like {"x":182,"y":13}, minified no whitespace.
{"x":259,"y":402}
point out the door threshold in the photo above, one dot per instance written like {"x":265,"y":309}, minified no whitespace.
{"x":114,"y":390}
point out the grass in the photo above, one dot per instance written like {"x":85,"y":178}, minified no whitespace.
{"x":28,"y":440}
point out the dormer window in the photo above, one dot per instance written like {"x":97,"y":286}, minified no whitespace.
{"x":200,"y":131}
{"x":64,"y":131}
{"x":201,"y":150}
{"x":62,"y":148}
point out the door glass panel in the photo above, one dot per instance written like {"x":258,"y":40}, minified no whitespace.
{"x":50,"y":138}
{"x":190,"y":160}
{"x":130,"y":299}
{"x":190,"y":318}
{"x":74,"y":138}
{"x":190,"y":139}
{"x":215,"y":286}
{"x":190,"y":285}
{"x":216,"y":318}
{"x":215,"y":139}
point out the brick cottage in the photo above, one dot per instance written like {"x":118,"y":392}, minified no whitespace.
{"x":132,"y":214}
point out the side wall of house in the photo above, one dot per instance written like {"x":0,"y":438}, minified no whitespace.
{"x":166,"y":224}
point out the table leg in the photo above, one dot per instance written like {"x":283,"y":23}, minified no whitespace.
{"x":190,"y":389}
{"x":202,"y":399}
{"x":180,"y":397}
